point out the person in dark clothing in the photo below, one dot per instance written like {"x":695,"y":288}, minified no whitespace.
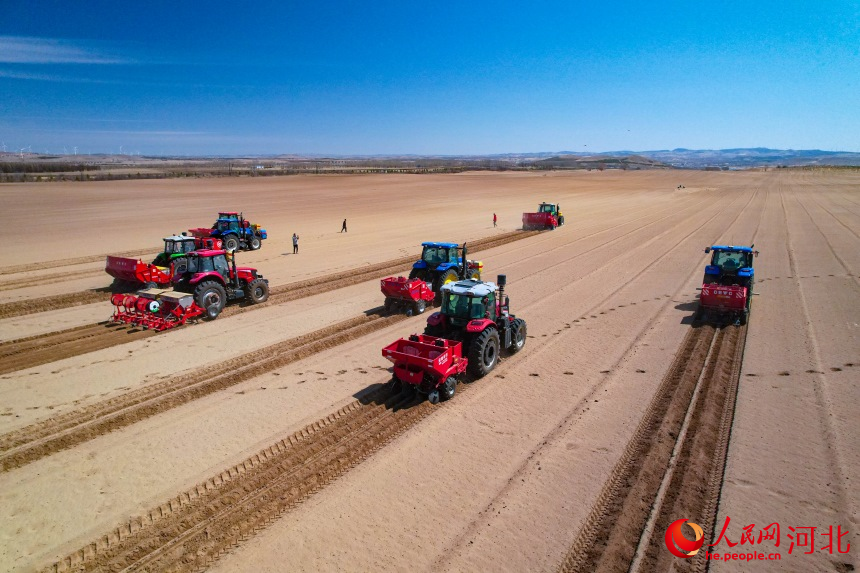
{"x":343,"y":228}
{"x":295,"y":244}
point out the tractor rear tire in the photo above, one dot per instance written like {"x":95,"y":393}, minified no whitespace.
{"x":254,"y":244}
{"x":210,"y":294}
{"x":231,"y":243}
{"x":561,"y":221}
{"x":518,"y":335}
{"x":258,"y":291}
{"x":418,"y":274}
{"x":435,"y":331}
{"x":446,"y":391}
{"x":473,"y":274}
{"x":448,"y":276}
{"x":484,"y":353}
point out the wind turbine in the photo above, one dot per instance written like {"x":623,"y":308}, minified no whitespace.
{"x":76,"y":149}
{"x":65,"y":151}
{"x":4,"y":147}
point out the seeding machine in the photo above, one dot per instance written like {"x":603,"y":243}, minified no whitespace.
{"x":201,"y":287}
{"x":548,"y":216}
{"x":727,"y":286}
{"x":474,"y":319}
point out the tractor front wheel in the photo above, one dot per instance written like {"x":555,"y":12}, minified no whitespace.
{"x":484,"y":353}
{"x":255,"y":243}
{"x":231,"y":243}
{"x":561,"y":221}
{"x":258,"y":291}
{"x":210,"y":296}
{"x":518,"y":335}
{"x":448,"y":388}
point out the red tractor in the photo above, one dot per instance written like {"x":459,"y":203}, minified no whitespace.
{"x":548,"y":216}
{"x":477,"y":314}
{"x":214,"y":280}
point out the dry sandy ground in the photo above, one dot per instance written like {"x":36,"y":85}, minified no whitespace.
{"x":502,"y":476}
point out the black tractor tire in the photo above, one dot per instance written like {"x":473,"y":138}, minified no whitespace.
{"x":211,"y":296}
{"x":561,"y":221}
{"x":180,"y":266}
{"x":388,"y":305}
{"x":231,"y":243}
{"x":484,"y":353}
{"x":448,"y":388}
{"x":258,"y":291}
{"x":419,"y":306}
{"x":148,"y":285}
{"x":254,"y":244}
{"x":418,"y":274}
{"x":518,"y":335}
{"x":473,"y":274}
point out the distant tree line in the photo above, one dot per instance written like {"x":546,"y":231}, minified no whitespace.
{"x":39,"y":167}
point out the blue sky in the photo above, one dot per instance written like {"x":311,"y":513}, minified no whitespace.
{"x":271,"y":77}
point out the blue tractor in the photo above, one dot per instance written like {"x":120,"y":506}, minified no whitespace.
{"x":234,"y":231}
{"x":727,"y":286}
{"x":443,"y":263}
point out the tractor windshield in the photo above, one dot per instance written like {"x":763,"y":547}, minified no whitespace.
{"x":228,"y":225}
{"x":200,"y":265}
{"x":464,"y":306}
{"x":547,"y":208}
{"x":731,"y":259}
{"x":435,"y":255}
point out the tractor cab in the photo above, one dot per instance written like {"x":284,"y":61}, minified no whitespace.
{"x":435,"y":254}
{"x":465,"y":301}
{"x":208,"y":262}
{"x":550,"y":208}
{"x":730,"y":265}
{"x":174,"y":247}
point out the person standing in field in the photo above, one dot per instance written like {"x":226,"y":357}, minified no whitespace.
{"x":494,"y":219}
{"x":343,"y":228}
{"x":295,"y":244}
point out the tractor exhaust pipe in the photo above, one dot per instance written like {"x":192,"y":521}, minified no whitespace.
{"x":463,"y":264}
{"x":502,"y":280}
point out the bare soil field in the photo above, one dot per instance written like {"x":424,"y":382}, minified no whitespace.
{"x":270,"y":440}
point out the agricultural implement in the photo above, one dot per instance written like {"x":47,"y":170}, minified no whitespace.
{"x":158,"y":309}
{"x":478,"y":315}
{"x":158,"y":272}
{"x":411,"y":295}
{"x":234,"y":231}
{"x":444,"y":263}
{"x":548,"y":216}
{"x":427,"y":364}
{"x":727,"y":286}
{"x":201,"y":287}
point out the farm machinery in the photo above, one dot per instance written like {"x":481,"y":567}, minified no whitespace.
{"x":235,"y":232}
{"x":411,"y":295}
{"x":158,"y":272}
{"x":443,"y":263}
{"x":548,"y":216}
{"x":727,"y":286}
{"x":428,"y":364}
{"x":202,"y":287}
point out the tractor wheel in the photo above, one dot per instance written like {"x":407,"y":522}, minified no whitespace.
{"x":484,"y":353}
{"x":446,"y":392}
{"x":518,"y":335}
{"x":448,"y":276}
{"x":231,"y":243}
{"x":420,"y":305}
{"x":149,"y":284}
{"x":561,"y":221}
{"x":473,"y":274}
{"x":388,"y":306}
{"x":418,"y":274}
{"x":258,"y":291}
{"x":255,"y":243}
{"x":433,"y":396}
{"x":210,"y":296}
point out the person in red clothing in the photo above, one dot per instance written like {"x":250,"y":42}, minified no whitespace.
{"x":494,"y":219}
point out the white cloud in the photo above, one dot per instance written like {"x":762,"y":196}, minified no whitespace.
{"x":27,"y":50}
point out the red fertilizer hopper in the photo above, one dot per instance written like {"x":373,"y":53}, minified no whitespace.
{"x":428,"y":364}
{"x":412,"y":294}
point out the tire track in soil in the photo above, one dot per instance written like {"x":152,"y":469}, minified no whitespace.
{"x":56,"y":277}
{"x":70,"y":262}
{"x":279,"y":294}
{"x":613,"y":529}
{"x":192,"y":530}
{"x":57,"y":433}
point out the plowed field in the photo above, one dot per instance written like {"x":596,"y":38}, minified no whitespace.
{"x":271,"y":440}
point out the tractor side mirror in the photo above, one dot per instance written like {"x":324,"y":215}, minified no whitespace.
{"x":707,"y":250}
{"x":507,"y":301}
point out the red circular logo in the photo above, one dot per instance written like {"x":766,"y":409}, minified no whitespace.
{"x":679,"y":545}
